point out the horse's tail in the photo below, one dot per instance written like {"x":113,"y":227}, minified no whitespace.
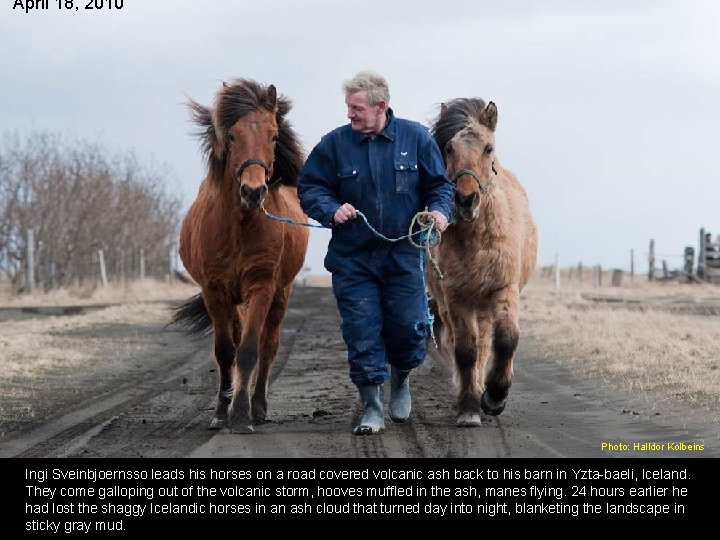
{"x":193,"y":316}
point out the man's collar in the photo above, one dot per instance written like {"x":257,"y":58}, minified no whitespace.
{"x":388,"y":132}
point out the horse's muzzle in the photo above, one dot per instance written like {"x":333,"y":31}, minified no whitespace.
{"x":467,"y":206}
{"x":252,"y":197}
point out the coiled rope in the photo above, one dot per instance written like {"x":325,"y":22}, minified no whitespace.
{"x":427,"y":236}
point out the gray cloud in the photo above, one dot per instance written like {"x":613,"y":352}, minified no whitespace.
{"x":607,"y":110}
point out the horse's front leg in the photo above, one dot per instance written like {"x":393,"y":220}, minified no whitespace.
{"x":246,"y":358}
{"x":221,"y":315}
{"x":268,"y":350}
{"x":471,"y":335}
{"x":505,"y":340}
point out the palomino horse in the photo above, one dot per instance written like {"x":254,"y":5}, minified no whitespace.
{"x":244,"y":262}
{"x":486,"y":256}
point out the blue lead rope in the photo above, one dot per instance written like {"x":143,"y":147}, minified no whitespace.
{"x":434,"y":236}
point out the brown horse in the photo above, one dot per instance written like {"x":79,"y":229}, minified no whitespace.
{"x":486,"y":257}
{"x":244,"y":262}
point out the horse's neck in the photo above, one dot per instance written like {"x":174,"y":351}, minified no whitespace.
{"x":224,"y":204}
{"x":493,"y":209}
{"x":227,"y":200}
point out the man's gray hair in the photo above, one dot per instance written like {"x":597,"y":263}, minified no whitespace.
{"x":375,"y":85}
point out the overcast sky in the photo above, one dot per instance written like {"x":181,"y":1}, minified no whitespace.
{"x":608,"y":111}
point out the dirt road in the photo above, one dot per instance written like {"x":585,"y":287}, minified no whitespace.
{"x":155,"y":399}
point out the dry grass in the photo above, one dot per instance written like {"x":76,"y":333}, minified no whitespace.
{"x":131,"y":291}
{"x":31,"y":346}
{"x":37,"y":352}
{"x":633,"y":336}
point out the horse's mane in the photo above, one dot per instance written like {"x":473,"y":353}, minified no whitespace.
{"x":233,"y":101}
{"x":455,"y":115}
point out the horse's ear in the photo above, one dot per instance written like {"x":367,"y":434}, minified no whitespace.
{"x":443,"y":109}
{"x":489,"y":116}
{"x":271,"y":96}
{"x":225,"y":85}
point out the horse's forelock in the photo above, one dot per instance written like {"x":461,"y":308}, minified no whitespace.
{"x":456,"y":115}
{"x":233,"y":101}
{"x":472,"y":131}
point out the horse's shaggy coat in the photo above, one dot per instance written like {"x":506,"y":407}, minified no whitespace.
{"x":486,"y":256}
{"x":244,"y":262}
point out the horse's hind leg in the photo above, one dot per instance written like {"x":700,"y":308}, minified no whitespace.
{"x":506,"y":335}
{"x":268,"y":350}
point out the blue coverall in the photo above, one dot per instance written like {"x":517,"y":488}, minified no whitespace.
{"x":379,"y":285}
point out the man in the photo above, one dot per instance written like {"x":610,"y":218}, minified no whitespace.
{"x":389,"y":169}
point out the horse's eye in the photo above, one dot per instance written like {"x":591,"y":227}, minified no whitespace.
{"x":488,"y":149}
{"x":275,"y":137}
{"x":230,"y":136}
{"x":448,"y":150}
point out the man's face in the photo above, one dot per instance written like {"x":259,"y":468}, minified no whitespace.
{"x":364,"y":117}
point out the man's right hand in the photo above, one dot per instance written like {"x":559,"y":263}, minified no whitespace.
{"x":344,"y":213}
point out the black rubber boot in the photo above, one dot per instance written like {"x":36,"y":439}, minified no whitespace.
{"x":400,"y":402}
{"x":372,"y":420}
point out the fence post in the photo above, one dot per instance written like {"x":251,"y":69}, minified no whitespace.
{"x":121,"y":256}
{"x":557,"y":273}
{"x":701,"y":256}
{"x":30,"y":285}
{"x":103,"y":273}
{"x":632,"y":264}
{"x":689,"y":258}
{"x":142,"y":264}
{"x":651,"y":261}
{"x":52,"y":275}
{"x":171,"y":265}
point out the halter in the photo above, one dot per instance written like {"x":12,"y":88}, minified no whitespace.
{"x":248,"y":162}
{"x":484,"y":186}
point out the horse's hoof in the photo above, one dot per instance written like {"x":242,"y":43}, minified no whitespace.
{"x":468,"y":420}
{"x":217,"y":423}
{"x":243,"y":429}
{"x":258,"y":419}
{"x":490,"y":406}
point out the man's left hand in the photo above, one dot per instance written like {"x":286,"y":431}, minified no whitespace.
{"x":441,"y":221}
